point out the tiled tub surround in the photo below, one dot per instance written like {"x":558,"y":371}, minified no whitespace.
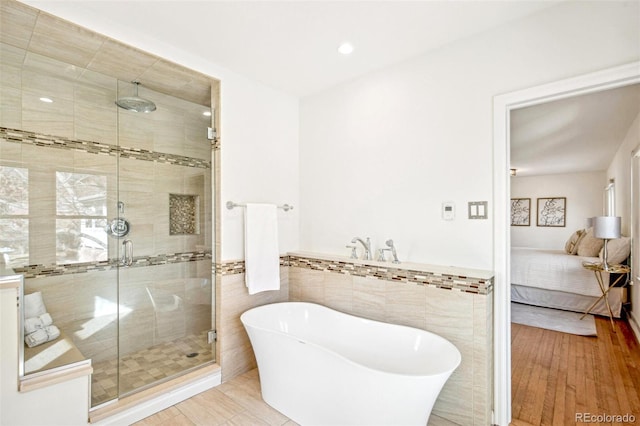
{"x":455,"y":303}
{"x":235,"y":352}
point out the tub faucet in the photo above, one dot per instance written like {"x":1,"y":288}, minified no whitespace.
{"x":393,"y":251}
{"x":366,"y":245}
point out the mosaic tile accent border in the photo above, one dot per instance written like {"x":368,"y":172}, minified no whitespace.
{"x":431,"y":279}
{"x":237,"y":267}
{"x":39,"y":271}
{"x":39,"y":139}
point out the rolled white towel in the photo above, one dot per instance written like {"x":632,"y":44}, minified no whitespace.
{"x":53,"y":332}
{"x":42,"y":335}
{"x":33,"y":324}
{"x":34,"y":305}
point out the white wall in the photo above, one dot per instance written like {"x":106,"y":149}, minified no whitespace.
{"x":379,"y":155}
{"x":584,"y":193}
{"x":259,"y":159}
{"x":620,"y":170}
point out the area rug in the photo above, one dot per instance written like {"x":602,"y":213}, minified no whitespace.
{"x":553,"y":319}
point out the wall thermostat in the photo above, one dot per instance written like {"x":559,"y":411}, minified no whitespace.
{"x":448,"y":211}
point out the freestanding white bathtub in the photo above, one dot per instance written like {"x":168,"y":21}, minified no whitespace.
{"x":318,"y":366}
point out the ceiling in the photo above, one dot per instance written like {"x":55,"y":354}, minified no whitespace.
{"x":292,"y":45}
{"x":572,"y":135}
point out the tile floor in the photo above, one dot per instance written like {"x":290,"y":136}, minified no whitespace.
{"x":147,"y":366}
{"x":236,"y":402}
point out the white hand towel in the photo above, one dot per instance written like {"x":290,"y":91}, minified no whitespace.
{"x":42,"y":335}
{"x":33,"y":324}
{"x":261,"y":253}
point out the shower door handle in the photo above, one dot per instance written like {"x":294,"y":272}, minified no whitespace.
{"x":127,"y":253}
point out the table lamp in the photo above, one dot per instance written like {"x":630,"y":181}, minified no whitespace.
{"x":607,"y":228}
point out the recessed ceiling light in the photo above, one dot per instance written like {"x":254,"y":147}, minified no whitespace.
{"x":207,"y":113}
{"x":47,"y":100}
{"x":345,"y":48}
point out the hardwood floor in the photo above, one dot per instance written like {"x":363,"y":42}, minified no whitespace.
{"x":557,"y":376}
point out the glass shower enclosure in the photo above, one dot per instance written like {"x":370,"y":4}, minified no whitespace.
{"x":108,"y":214}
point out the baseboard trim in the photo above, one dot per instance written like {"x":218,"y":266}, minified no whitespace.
{"x":139,"y":408}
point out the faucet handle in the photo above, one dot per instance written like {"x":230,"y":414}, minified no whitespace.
{"x":381,"y":257}
{"x":354,"y":253}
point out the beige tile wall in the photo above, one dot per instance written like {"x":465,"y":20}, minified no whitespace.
{"x":84,"y":108}
{"x":462,"y":318}
{"x":236,"y":356}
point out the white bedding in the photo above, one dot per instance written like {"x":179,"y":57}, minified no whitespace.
{"x":554,"y":270}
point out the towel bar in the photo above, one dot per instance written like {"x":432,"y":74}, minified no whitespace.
{"x":231,"y":205}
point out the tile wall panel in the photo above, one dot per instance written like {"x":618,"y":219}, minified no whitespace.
{"x":460,"y":317}
{"x":236,"y":354}
{"x":18,"y":21}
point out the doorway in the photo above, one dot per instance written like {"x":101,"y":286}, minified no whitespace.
{"x":503,"y":105}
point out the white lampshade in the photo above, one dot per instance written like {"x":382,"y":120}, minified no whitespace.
{"x":606,"y":227}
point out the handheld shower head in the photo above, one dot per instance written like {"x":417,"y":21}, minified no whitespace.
{"x":389,"y":243}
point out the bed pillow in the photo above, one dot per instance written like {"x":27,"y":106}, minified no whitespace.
{"x":571,"y":247}
{"x":589,"y":245}
{"x":618,"y":250}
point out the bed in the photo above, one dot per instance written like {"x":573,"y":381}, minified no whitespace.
{"x":556,"y":279}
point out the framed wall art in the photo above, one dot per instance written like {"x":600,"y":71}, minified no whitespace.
{"x":552,"y":211}
{"x":520,"y":211}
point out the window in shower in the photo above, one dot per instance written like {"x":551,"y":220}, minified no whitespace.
{"x":81,"y":217}
{"x":14,"y":216}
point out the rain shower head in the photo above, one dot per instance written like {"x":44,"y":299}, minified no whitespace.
{"x":135,"y":103}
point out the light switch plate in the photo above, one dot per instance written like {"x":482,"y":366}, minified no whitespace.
{"x":478,"y":210}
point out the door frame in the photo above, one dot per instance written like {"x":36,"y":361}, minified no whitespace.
{"x":634,"y":317}
{"x":502,"y":106}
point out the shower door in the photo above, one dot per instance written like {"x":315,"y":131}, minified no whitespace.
{"x":81,"y":180}
{"x":160,"y":231}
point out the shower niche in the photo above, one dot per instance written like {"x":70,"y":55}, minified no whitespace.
{"x":122,"y":290}
{"x":184,"y":214}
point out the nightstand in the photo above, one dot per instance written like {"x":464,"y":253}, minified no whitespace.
{"x":598,"y":269}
